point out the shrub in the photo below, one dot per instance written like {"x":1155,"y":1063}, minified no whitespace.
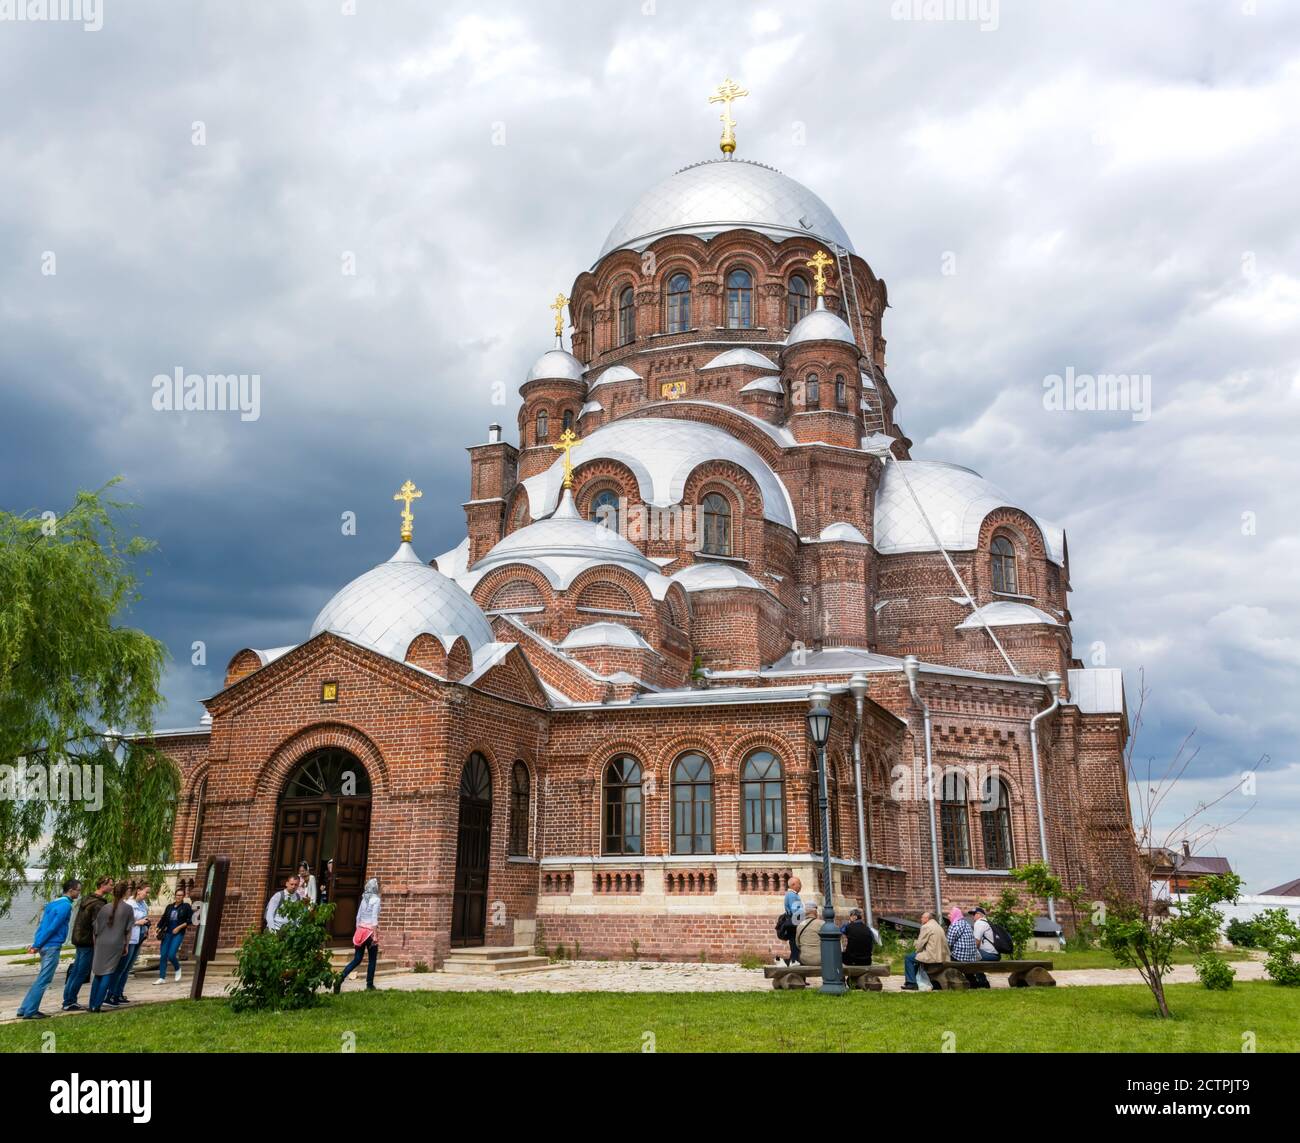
{"x":1243,"y":934}
{"x":1215,"y":973}
{"x":1281,"y":966}
{"x":285,"y":969}
{"x":1009,"y":912}
{"x":752,"y":960}
{"x":1281,"y":936}
{"x":421,"y":966}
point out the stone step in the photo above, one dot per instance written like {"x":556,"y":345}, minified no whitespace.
{"x":491,"y":952}
{"x":521,"y":962}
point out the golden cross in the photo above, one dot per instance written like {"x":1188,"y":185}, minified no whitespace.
{"x":728,"y":90}
{"x":818,"y":263}
{"x":568,"y":442}
{"x":558,"y":306}
{"x":406,"y":494}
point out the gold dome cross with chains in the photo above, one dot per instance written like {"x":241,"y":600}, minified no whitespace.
{"x":728,"y":90}
{"x":558,"y":306}
{"x":406,"y":494}
{"x":568,"y":442}
{"x":817,"y":264}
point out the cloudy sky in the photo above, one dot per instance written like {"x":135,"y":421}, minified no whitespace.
{"x":1108,"y":188}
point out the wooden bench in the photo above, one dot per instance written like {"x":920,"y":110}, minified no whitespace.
{"x":865,"y":977}
{"x":1022,"y":973}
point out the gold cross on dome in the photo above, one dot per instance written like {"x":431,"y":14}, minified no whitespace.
{"x":568,"y":442}
{"x":406,"y":494}
{"x":818,"y":263}
{"x":728,"y":90}
{"x":558,"y":306}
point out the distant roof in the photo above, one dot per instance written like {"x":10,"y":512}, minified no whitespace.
{"x":1287,"y":889}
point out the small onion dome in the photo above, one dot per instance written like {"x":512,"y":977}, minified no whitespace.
{"x":1006,"y":613}
{"x":388,"y":606}
{"x":841,"y":533}
{"x":709,"y":576}
{"x":604,"y":635}
{"x":821,"y":325}
{"x":555,"y":364}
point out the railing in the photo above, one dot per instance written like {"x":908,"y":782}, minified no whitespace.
{"x":768,"y":881}
{"x":682,"y":882}
{"x":559,"y":881}
{"x":617,"y":881}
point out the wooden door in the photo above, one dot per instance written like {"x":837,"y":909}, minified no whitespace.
{"x":473,"y":848}
{"x":300,"y":828}
{"x":352,"y":845}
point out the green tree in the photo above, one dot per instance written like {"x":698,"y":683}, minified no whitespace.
{"x":79,"y":793}
{"x":288,"y":968}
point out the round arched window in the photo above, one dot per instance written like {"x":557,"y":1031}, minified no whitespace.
{"x":740,"y":299}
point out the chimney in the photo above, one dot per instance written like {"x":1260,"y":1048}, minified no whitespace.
{"x":494,"y":434}
{"x":1187,"y":849}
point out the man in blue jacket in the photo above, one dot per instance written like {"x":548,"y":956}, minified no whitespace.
{"x":48,"y":941}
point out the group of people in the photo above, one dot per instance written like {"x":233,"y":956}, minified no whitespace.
{"x":108,"y":931}
{"x":860,"y":939}
{"x":302,"y":886}
{"x":968,"y":941}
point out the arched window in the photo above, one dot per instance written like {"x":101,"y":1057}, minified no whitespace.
{"x":604,"y":508}
{"x":740,"y":300}
{"x":716,"y":510}
{"x":568,"y":418}
{"x":195,"y":845}
{"x":328,"y":773}
{"x":623,"y":806}
{"x":812,"y":392}
{"x":797,"y":301}
{"x":543,"y":426}
{"x":587,"y":323}
{"x":692,"y":805}
{"x":952,"y":820}
{"x":626,"y":316}
{"x":520,"y":803}
{"x":762,"y":794}
{"x":679,"y":303}
{"x":1004,"y":565}
{"x":841,"y":392}
{"x":995,"y":825}
{"x":815,"y":810}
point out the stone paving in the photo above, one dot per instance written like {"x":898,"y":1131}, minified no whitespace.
{"x":566,"y":976}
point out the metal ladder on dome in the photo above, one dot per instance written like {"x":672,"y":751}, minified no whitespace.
{"x":873,"y":418}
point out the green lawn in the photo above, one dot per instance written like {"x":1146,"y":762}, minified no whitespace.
{"x":1107,"y":1019}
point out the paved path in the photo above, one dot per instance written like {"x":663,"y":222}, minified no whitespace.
{"x":569,"y":976}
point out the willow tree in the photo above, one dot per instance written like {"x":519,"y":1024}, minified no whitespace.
{"x":80,"y":793}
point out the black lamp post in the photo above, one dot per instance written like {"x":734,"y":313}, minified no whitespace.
{"x":819,"y":730}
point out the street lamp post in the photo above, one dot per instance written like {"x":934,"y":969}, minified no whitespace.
{"x":819,"y":730}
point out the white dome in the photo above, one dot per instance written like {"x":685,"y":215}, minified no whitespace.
{"x":553,"y":364}
{"x":565,"y":536}
{"x":662,"y":453}
{"x":726,"y":194}
{"x":391,"y":604}
{"x":955,"y":499}
{"x":820,"y":325}
{"x":604,"y":635}
{"x":842,"y":532}
{"x":710,"y":576}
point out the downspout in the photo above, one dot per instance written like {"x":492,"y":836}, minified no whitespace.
{"x":912,"y":668}
{"x":1053,"y":681}
{"x":858,"y":685}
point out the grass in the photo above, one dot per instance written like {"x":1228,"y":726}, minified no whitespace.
{"x":1117,"y":1018}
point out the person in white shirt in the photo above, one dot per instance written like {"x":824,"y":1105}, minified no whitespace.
{"x":306,"y":883}
{"x":275,"y":920}
{"x":366,"y":939}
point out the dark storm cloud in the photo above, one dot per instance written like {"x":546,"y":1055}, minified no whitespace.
{"x":1113,"y":187}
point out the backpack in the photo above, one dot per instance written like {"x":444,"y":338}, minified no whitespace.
{"x":1001,"y":939}
{"x":784,"y":927}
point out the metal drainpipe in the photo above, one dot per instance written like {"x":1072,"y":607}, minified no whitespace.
{"x":858,"y":685}
{"x":912,"y":668}
{"x":1053,"y":681}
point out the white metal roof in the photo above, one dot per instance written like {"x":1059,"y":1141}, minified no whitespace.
{"x":742,"y":357}
{"x":1006,"y":613}
{"x":1097,"y":690}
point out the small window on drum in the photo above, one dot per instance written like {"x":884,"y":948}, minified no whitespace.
{"x":812,"y":391}
{"x":716,"y":510}
{"x":841,"y":392}
{"x":740,"y":300}
{"x":679,"y":303}
{"x":626,"y":316}
{"x":1003,"y":555}
{"x":543,"y":426}
{"x":604,"y":509}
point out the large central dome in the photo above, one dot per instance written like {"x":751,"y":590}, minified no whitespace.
{"x":726,"y":194}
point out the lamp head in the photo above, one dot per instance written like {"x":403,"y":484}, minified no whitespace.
{"x":819,"y":715}
{"x":858,"y":686}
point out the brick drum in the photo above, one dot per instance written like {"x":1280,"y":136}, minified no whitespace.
{"x":697,"y":640}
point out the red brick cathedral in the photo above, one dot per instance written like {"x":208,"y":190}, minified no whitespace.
{"x":586,"y":723}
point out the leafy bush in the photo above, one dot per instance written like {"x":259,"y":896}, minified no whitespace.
{"x":1243,"y":934}
{"x":1281,"y":937}
{"x":1009,"y":912}
{"x":1215,"y":973}
{"x":285,"y":969}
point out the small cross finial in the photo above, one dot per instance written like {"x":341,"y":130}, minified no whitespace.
{"x":406,"y":494}
{"x":558,"y":306}
{"x":568,"y":442}
{"x":728,"y":90}
{"x":818,"y":263}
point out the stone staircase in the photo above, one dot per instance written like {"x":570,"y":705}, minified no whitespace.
{"x":495,"y":960}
